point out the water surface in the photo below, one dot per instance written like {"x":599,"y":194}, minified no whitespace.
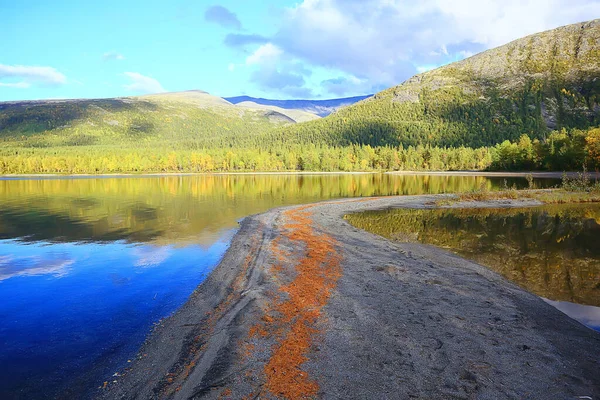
{"x":87,"y":266}
{"x":552,"y":251}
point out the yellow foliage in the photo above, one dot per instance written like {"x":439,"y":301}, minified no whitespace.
{"x":592,"y":141}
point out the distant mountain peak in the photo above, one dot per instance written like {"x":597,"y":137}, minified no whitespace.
{"x":321,"y":108}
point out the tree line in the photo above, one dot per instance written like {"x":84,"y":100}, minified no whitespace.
{"x":562,"y":150}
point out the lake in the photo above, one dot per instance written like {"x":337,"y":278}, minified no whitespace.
{"x":89,"y":265}
{"x":551,"y":250}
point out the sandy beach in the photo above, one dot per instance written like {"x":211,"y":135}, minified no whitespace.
{"x":303,"y":305}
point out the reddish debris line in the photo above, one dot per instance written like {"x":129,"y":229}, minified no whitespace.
{"x":292,"y":321}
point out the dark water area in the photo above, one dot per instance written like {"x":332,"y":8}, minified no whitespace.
{"x":88,"y":266}
{"x":552,"y":251}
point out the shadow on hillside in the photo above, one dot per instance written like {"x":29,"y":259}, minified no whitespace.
{"x":37,"y":116}
{"x":369,"y":132}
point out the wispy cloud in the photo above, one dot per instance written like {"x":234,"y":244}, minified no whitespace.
{"x":26,"y":76}
{"x":222,"y":16}
{"x":240,"y":39}
{"x":18,"y":85}
{"x":344,"y":85}
{"x":142,"y":84}
{"x":111,"y":55}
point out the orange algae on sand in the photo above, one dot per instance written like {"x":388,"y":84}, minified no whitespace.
{"x":317,"y":272}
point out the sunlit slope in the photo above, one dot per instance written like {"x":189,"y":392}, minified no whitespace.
{"x":192,"y":119}
{"x":542,"y":82}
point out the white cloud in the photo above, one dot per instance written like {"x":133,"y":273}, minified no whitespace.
{"x":29,"y":75}
{"x":18,"y":85}
{"x":465,"y":53}
{"x":494,"y":23}
{"x":385,"y":41}
{"x":142,"y":84}
{"x":274,"y":71}
{"x":267,"y":53}
{"x":343,"y":86}
{"x":231,"y":67}
{"x":111,"y":55}
{"x":425,"y":68}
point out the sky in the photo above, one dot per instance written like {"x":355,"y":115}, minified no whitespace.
{"x":280,"y":49}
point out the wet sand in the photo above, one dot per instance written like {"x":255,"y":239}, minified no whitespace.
{"x":303,"y":305}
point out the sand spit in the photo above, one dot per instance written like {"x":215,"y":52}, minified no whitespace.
{"x":303,"y":305}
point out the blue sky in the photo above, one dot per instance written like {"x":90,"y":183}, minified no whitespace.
{"x":275,"y":49}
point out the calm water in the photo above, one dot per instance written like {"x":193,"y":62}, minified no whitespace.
{"x":87,"y":266}
{"x":552,"y":251}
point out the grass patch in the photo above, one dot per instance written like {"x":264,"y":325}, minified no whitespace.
{"x":561,"y":196}
{"x":580,"y":189}
{"x":483,"y":193}
{"x":581,"y":183}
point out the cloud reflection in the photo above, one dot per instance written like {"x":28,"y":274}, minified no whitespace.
{"x":11,"y":266}
{"x":587,"y":315}
{"x":150,"y":256}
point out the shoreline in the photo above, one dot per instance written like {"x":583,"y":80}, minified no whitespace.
{"x":507,"y":174}
{"x":170,"y":174}
{"x":305,"y":305}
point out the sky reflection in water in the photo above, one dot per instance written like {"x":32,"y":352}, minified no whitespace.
{"x":65,"y":307}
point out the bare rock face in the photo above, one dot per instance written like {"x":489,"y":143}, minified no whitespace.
{"x":406,"y":96}
{"x":547,"y":115}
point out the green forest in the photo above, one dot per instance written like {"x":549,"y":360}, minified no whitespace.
{"x":561,"y":151}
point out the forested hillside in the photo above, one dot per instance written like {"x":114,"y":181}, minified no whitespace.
{"x":192,"y":119}
{"x":547,"y":81}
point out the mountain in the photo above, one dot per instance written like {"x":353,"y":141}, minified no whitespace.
{"x":191,"y":118}
{"x":295,"y":115}
{"x":321,"y":108}
{"x":543,"y":82}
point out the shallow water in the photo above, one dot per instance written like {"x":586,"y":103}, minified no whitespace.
{"x":552,"y":251}
{"x":87,"y":266}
